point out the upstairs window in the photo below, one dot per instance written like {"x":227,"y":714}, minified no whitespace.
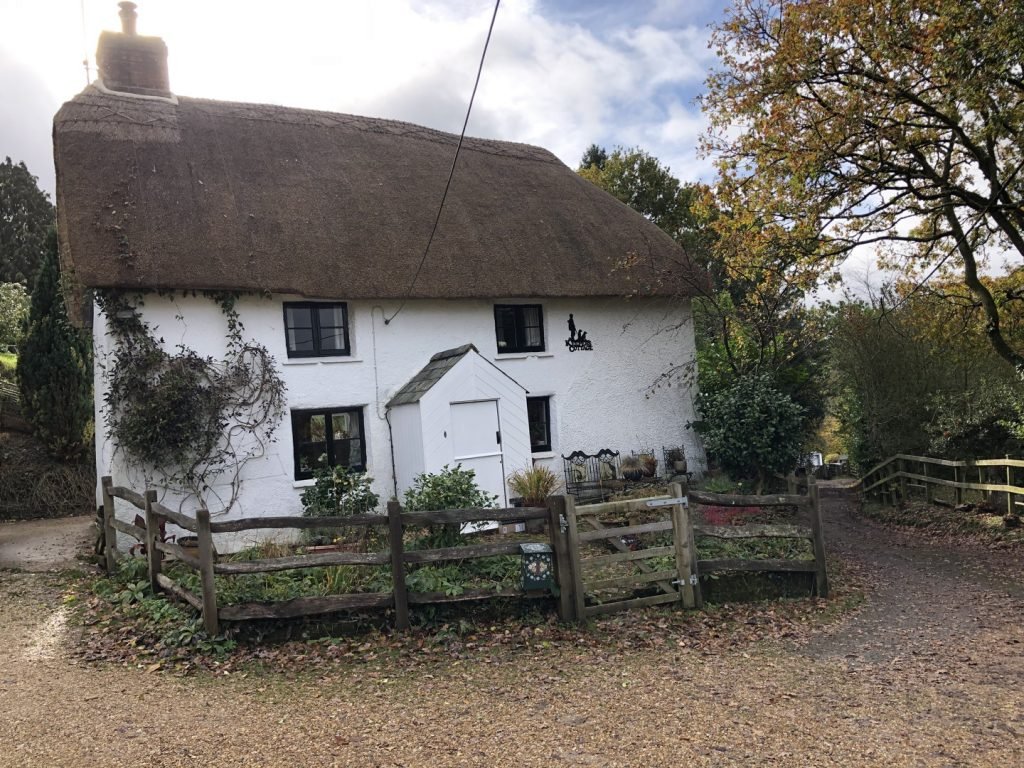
{"x":316,"y":328}
{"x":519,"y":327}
{"x":538,"y":413}
{"x":328,"y":438}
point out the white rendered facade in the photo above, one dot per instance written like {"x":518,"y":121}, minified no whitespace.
{"x":598,"y":399}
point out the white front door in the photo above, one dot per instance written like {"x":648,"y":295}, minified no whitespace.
{"x":476,"y":440}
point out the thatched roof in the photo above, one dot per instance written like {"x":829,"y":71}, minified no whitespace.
{"x":217,"y":195}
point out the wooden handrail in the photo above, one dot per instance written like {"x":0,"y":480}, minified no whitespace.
{"x":902,"y":474}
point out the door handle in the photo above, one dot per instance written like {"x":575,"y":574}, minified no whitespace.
{"x":497,"y":437}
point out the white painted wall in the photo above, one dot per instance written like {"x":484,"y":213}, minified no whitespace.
{"x":599,"y":399}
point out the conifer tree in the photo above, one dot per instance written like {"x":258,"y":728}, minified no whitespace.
{"x":55,"y":366}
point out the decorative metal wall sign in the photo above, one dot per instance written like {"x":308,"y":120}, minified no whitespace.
{"x":577,"y":338}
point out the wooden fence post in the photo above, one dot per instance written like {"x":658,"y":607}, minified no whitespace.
{"x":901,"y":471}
{"x":958,"y":492}
{"x":578,"y":596}
{"x":205,"y":537}
{"x":698,"y":592}
{"x":818,"y":536}
{"x":682,"y":536}
{"x":154,"y":556}
{"x":395,"y":533}
{"x":1009,"y":481}
{"x":563,"y":569}
{"x":109,"y":534}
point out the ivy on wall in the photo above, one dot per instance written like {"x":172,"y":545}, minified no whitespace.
{"x":189,"y":423}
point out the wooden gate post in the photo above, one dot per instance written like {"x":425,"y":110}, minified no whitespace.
{"x":395,"y":534}
{"x":818,"y":537}
{"x":578,"y":596}
{"x":563,"y":568}
{"x":154,"y":556}
{"x":682,"y":538}
{"x":205,"y":537}
{"x":109,"y":534}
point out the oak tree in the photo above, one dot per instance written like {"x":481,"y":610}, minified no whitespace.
{"x":895,"y":124}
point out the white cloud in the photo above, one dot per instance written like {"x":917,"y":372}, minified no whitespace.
{"x":554,"y":83}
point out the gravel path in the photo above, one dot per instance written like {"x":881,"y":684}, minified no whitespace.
{"x":44,"y":545}
{"x":929,"y":673}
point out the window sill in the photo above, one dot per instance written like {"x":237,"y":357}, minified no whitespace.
{"x":304,"y":483}
{"x":521,"y":355}
{"x":321,"y":360}
{"x":543,"y":455}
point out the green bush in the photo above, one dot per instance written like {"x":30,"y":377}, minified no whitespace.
{"x":984,"y":422}
{"x":451,"y":488}
{"x":337,"y":491}
{"x":752,"y":428}
{"x":14,"y":303}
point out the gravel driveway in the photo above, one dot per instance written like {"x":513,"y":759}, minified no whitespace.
{"x":929,"y":673}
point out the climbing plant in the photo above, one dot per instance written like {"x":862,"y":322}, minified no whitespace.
{"x":190,"y":423}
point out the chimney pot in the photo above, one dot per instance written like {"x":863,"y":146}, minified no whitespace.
{"x":132,"y":63}
{"x":128,"y":17}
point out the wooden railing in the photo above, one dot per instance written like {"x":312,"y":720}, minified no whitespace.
{"x":205,"y":560}
{"x":896,"y":477}
{"x":672,"y":568}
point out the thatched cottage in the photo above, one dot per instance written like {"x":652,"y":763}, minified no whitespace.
{"x":513,"y":344}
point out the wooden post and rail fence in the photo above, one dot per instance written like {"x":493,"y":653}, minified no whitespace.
{"x":898,"y":476}
{"x":673,"y":569}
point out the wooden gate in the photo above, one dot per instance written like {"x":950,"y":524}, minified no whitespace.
{"x":611,"y":563}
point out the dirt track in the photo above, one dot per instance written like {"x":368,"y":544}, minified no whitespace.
{"x":929,"y":673}
{"x":44,"y":545}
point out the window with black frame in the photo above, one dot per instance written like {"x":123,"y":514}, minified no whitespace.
{"x":330,"y":437}
{"x":538,"y":413}
{"x":519,"y":327}
{"x":316,"y":328}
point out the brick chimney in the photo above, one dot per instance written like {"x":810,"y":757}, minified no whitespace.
{"x":131,"y":63}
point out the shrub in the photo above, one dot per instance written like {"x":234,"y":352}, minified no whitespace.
{"x":752,"y":428}
{"x":979,"y":423}
{"x":14,"y":303}
{"x":451,"y":488}
{"x":533,"y":485}
{"x":338,"y":491}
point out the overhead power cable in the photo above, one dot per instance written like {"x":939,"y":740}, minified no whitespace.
{"x":451,"y":172}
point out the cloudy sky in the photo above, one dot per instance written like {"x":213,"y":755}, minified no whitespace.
{"x":559,"y":73}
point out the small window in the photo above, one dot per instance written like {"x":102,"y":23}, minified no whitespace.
{"x":538,"y":413}
{"x":328,"y":438}
{"x":519,"y":327}
{"x":316,"y":329}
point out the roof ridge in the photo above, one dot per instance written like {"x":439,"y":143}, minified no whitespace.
{"x":250,"y":111}
{"x":162,"y":113}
